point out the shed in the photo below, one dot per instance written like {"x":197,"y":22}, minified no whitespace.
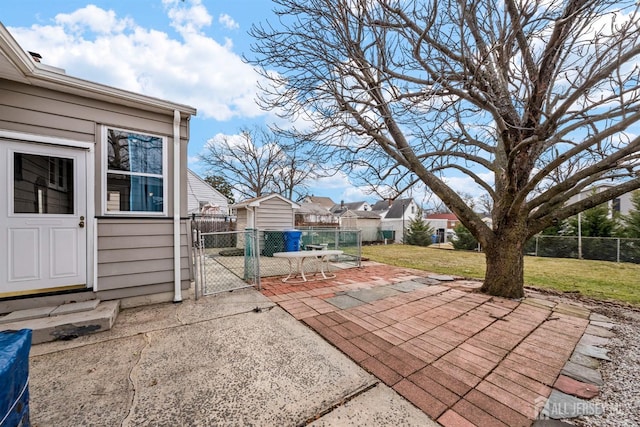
{"x":271,"y":212}
{"x":271,"y":215}
{"x":366,"y":221}
{"x":92,"y":194}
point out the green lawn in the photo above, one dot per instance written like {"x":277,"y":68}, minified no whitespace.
{"x":596,"y":279}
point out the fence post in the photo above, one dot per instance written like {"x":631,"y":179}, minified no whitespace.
{"x":256,"y":258}
{"x":201,"y":266}
{"x":359,"y":248}
{"x":196,"y":266}
{"x":618,"y":250}
{"x":537,"y":238}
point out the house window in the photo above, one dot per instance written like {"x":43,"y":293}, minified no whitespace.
{"x":58,"y":173}
{"x":135,"y":172}
{"x":615,"y":205}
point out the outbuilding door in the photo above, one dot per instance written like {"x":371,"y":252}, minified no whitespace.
{"x":43,"y":217}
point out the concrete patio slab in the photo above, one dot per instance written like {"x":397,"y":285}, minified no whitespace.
{"x":379,"y":406}
{"x":344,"y":301}
{"x":231,"y":359}
{"x":373,"y":294}
{"x":407,"y":286}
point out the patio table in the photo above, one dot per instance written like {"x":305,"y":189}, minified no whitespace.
{"x":299,"y":257}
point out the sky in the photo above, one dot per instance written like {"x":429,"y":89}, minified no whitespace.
{"x":188,"y":52}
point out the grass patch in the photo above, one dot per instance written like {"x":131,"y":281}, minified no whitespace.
{"x":595,"y":279}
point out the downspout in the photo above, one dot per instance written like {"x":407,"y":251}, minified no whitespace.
{"x":177,"y":290}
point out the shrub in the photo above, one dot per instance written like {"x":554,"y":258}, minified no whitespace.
{"x":464,"y":239}
{"x":419,"y":232}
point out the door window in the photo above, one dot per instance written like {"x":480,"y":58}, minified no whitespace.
{"x":42,"y":184}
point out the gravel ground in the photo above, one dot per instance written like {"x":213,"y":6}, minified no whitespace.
{"x":620,"y":396}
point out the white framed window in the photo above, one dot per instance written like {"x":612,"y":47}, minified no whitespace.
{"x":135,"y":173}
{"x":58,"y":173}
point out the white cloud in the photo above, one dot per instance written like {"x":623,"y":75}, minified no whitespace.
{"x":235,"y":140}
{"x":464,"y":184}
{"x":187,"y":18}
{"x":228,"y":22}
{"x":194,"y":69}
{"x":94,"y":19}
{"x":355,"y":194}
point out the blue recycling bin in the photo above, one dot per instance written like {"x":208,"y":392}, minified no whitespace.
{"x":14,"y":377}
{"x":292,"y":240}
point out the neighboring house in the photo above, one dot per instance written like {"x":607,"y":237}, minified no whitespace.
{"x":313,"y":214}
{"x":93,"y":188}
{"x":443,"y":225}
{"x":325,"y":202}
{"x":620,"y":205}
{"x":353,"y":206}
{"x":366,"y":221}
{"x":395,"y":215}
{"x":203,"y":199}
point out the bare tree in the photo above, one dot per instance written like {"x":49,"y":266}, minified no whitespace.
{"x":542,"y":97}
{"x":258,"y":162}
{"x":247,"y":161}
{"x":296,"y":169}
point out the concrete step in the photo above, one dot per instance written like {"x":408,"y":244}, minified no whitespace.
{"x":63,"y":322}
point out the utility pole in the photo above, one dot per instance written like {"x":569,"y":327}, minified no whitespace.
{"x":403,"y":229}
{"x":579,"y":230}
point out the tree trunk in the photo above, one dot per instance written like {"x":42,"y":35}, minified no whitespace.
{"x":505,"y":263}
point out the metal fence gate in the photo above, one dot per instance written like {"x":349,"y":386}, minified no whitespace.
{"x":225,"y":261}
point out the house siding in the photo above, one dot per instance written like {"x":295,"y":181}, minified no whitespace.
{"x":134,"y":255}
{"x":275,"y":214}
{"x":241,"y":219}
{"x":138,"y":253}
{"x":41,"y":111}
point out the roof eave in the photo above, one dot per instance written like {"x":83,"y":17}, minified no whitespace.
{"x":62,"y":82}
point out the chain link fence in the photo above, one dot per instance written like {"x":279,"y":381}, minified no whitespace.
{"x":225,"y":261}
{"x":273,"y":241}
{"x":594,"y":248}
{"x":229,"y":260}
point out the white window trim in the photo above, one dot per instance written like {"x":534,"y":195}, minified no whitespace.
{"x":105,"y":171}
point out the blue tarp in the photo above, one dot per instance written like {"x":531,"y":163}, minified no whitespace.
{"x":14,"y":377}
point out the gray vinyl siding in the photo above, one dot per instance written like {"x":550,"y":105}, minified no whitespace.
{"x":134,"y":256}
{"x":275,"y":214}
{"x":138,"y":252}
{"x":29,"y":109}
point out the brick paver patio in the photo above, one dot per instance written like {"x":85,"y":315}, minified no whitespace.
{"x":462,"y":357}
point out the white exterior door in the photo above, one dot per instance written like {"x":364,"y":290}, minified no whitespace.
{"x":43,"y":217}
